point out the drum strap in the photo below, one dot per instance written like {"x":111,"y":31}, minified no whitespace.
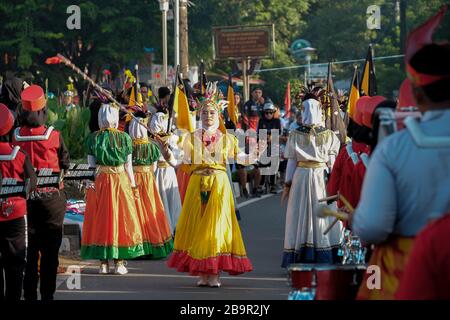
{"x":422,"y":140}
{"x":365,"y":159}
{"x":351,"y":153}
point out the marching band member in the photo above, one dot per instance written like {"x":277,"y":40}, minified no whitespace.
{"x":208,"y":238}
{"x":349,"y":169}
{"x":397,"y":193}
{"x":47,"y":207}
{"x":16,"y":164}
{"x":309,"y":151}
{"x":111,"y":228}
{"x":165,"y":173}
{"x":157,"y":235}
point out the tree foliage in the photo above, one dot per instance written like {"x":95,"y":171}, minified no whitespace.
{"x":114,"y":33}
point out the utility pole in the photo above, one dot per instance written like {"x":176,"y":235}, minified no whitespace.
{"x":176,"y":9}
{"x":164,"y":7}
{"x":245,"y":79}
{"x":184,"y":44}
{"x":403,"y":5}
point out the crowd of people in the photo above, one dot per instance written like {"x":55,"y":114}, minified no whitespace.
{"x":160,"y":193}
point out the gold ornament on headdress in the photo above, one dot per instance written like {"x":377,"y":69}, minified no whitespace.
{"x":213,"y":98}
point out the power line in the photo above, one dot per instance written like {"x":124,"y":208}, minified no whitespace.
{"x":326,"y":63}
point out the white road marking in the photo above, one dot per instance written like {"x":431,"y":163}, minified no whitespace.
{"x":178,"y":276}
{"x":96,"y":291}
{"x":246,"y":203}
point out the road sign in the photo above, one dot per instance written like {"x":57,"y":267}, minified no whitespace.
{"x":240,"y":42}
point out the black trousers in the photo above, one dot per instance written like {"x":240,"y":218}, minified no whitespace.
{"x":12,"y":258}
{"x":271,"y":179}
{"x":45,"y":221}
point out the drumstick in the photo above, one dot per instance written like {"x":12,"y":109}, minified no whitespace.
{"x":330,"y":226}
{"x":323,"y":211}
{"x":335,"y":197}
{"x":346,"y":203}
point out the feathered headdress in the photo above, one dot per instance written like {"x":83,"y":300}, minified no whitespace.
{"x":312,"y":92}
{"x":213,"y":97}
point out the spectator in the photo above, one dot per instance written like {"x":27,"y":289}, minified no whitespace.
{"x":253,"y":109}
{"x":297,"y":123}
{"x":269,"y":123}
{"x":290,"y":118}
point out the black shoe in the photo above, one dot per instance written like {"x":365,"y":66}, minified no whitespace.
{"x":256,"y":193}
{"x":245,"y":193}
{"x":273,"y":189}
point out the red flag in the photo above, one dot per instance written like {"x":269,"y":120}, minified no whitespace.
{"x":287,"y":100}
{"x":53,"y":60}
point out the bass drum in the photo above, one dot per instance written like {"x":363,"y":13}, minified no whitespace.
{"x":330,"y":281}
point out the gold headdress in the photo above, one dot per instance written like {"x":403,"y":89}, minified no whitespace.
{"x":213,"y":98}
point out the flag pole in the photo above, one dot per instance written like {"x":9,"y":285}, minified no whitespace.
{"x":169,"y":120}
{"x":106,"y":93}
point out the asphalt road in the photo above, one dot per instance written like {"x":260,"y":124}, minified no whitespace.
{"x":262,"y":227}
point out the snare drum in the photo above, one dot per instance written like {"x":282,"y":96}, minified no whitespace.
{"x":331,"y":281}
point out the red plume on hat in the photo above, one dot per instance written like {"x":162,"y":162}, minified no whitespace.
{"x":359,"y":109}
{"x":369,"y":109}
{"x":6,"y":120}
{"x":405,"y":95}
{"x":417,"y":39}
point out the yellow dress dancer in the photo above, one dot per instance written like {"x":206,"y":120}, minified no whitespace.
{"x":208,"y":238}
{"x":157,"y":236}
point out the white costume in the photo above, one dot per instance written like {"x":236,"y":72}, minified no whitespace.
{"x":166,"y":178}
{"x":310,"y":149}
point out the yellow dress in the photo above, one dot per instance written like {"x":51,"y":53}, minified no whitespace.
{"x":208,"y":238}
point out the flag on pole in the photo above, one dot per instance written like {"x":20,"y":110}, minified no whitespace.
{"x":334,"y":119}
{"x":329,"y":93}
{"x":287,"y":100}
{"x":181,"y":106}
{"x":368,"y":84}
{"x":133,"y":102}
{"x":232,"y":108}
{"x":222,"y":127}
{"x":353,"y":95}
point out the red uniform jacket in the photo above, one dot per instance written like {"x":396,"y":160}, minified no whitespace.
{"x":346,"y":177}
{"x":18,"y":168}
{"x":44,"y":153}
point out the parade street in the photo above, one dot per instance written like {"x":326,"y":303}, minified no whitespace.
{"x":262,"y":226}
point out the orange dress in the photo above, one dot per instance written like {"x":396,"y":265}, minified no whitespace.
{"x":157,"y":236}
{"x":111,"y":228}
